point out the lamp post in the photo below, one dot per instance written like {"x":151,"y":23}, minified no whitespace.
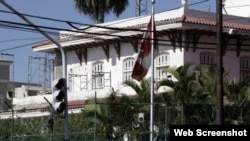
{"x":12,"y":118}
{"x":64,"y":70}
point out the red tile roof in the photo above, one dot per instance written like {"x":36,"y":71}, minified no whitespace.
{"x":204,"y":21}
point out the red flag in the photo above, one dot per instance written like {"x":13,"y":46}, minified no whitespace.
{"x":143,"y":61}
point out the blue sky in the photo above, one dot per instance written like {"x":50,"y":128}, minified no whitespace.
{"x":13,"y":41}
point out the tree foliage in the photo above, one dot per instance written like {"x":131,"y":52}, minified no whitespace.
{"x":97,"y":9}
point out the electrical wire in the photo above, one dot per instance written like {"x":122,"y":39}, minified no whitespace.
{"x":19,"y":39}
{"x":91,"y":25}
{"x":11,"y":27}
{"x":71,"y":23}
{"x":25,"y":45}
{"x":28,"y":28}
{"x":88,"y":25}
{"x":139,"y":38}
{"x":76,"y":31}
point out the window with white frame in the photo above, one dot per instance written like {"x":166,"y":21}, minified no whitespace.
{"x":98,"y":75}
{"x":161,"y":63}
{"x":128,"y":65}
{"x":207,"y":58}
{"x":244,"y":67}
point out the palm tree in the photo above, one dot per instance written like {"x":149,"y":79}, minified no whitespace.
{"x":141,"y":105}
{"x":184,"y":84}
{"x":237,"y":91}
{"x":191,"y":92}
{"x":205,"y":84}
{"x":205,"y":93}
{"x":238,"y":94}
{"x":112,"y":116}
{"x":97,"y":9}
{"x":142,"y":89}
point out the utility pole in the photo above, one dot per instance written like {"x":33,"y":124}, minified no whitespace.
{"x":64,"y":70}
{"x":219,"y":64}
{"x":12,"y":119}
{"x":50,"y":122}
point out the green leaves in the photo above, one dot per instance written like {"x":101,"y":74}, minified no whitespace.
{"x":97,"y":9}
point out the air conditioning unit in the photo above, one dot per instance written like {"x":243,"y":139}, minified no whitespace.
{"x":232,"y":31}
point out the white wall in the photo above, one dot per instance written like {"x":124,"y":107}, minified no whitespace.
{"x":231,"y":61}
{"x":237,"y":7}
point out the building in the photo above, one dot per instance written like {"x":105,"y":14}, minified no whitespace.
{"x":235,"y":7}
{"x":183,"y":33}
{"x":10,"y":90}
{"x":4,"y":81}
{"x":100,"y":57}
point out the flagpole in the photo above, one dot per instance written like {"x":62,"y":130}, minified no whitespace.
{"x":152,"y":77}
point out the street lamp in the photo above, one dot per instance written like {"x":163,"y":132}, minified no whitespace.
{"x":12,"y":118}
{"x":50,"y":122}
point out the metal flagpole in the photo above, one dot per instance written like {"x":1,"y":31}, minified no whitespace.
{"x":152,"y":77}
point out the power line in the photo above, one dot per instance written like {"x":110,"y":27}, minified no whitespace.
{"x":91,"y":25}
{"x":30,"y":28}
{"x":71,"y":23}
{"x":26,"y":27}
{"x":19,"y":39}
{"x":104,"y":34}
{"x":25,"y":45}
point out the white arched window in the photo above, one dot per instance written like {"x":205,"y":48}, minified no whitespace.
{"x":244,"y":67}
{"x":161,"y":64}
{"x":128,"y":65}
{"x":97,"y":75}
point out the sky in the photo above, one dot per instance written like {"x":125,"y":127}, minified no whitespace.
{"x":16,"y":44}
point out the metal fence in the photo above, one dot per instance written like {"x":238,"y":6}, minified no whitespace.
{"x":117,"y":122}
